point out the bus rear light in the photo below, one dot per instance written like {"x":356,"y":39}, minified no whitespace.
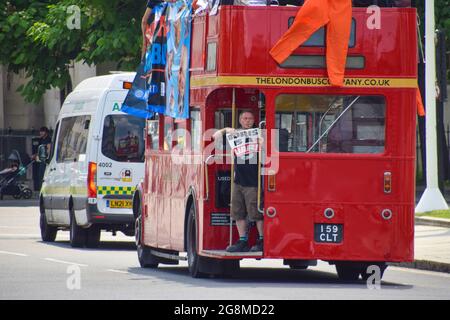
{"x":387,"y":182}
{"x":328,"y":213}
{"x":271,"y":212}
{"x":92,"y":180}
{"x":271,"y":181}
{"x":386,"y":214}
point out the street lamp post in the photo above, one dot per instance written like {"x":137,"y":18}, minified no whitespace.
{"x":432,"y":198}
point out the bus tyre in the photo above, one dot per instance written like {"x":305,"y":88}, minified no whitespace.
{"x":295,"y":267}
{"x":77,"y":233}
{"x":93,"y":236}
{"x":192,"y":255}
{"x":145,"y":256}
{"x":347,"y":272}
{"x":48,"y":232}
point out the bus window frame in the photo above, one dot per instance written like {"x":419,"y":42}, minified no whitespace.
{"x":190,"y":142}
{"x":165,"y":120}
{"x":364,"y":93}
{"x":180,"y":124}
{"x":352,"y":40}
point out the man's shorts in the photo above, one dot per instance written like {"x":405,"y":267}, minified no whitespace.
{"x":244,"y":203}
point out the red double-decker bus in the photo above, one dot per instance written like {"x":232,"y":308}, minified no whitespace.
{"x":339,"y":186}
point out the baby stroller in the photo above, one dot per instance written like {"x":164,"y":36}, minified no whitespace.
{"x":9,"y":177}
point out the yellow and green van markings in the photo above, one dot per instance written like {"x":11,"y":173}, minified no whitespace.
{"x":73,"y":190}
{"x":115,"y":190}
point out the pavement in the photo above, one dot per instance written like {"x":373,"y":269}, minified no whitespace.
{"x":432,"y":240}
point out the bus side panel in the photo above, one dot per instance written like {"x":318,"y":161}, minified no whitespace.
{"x":150,"y":221}
{"x":164,"y":200}
{"x":179,"y":191}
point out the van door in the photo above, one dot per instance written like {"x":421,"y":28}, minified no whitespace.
{"x":120,"y":156}
{"x":47,"y":188}
{"x":65,"y":157}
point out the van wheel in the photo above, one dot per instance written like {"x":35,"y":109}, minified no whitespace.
{"x":145,"y":257}
{"x":93,"y":236}
{"x":192,"y":255}
{"x":77,"y":233}
{"x":48,"y":232}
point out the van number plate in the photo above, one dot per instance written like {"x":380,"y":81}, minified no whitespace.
{"x":328,"y":233}
{"x":121,"y":204}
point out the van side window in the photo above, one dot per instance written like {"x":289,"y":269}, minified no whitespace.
{"x":80,"y":134}
{"x":179,"y":134}
{"x":196,"y":129}
{"x":64,"y":148}
{"x":72,"y":139}
{"x":53,"y":146}
{"x":153,"y":133}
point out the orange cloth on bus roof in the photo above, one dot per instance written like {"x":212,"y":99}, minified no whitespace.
{"x":420,"y":107}
{"x":337,"y":15}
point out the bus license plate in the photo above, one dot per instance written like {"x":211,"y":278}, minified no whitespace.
{"x":120,"y":204}
{"x":328,"y":233}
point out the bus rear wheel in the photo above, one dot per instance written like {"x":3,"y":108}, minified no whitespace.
{"x":93,"y":237}
{"x":192,"y":255}
{"x":145,"y":257}
{"x":347,"y":271}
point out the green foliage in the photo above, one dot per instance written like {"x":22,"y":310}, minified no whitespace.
{"x":34,"y":37}
{"x":442,"y":15}
{"x":443,"y":214}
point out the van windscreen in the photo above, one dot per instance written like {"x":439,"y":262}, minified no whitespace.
{"x":123,"y":138}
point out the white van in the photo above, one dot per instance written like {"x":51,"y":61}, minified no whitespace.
{"x":96,"y":160}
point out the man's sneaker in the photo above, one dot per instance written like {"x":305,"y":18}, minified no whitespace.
{"x":239,"y":246}
{"x":258,"y":247}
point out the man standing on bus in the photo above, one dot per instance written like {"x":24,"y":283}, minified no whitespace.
{"x":244,"y":200}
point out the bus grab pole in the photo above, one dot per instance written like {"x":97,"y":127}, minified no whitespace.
{"x":233,"y":125}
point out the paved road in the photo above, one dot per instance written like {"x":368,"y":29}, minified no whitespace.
{"x":31,"y":269}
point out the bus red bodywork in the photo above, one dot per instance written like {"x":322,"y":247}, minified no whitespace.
{"x":230,"y":50}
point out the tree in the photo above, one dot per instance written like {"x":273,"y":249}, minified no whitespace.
{"x":36,"y":37}
{"x":442,"y":12}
